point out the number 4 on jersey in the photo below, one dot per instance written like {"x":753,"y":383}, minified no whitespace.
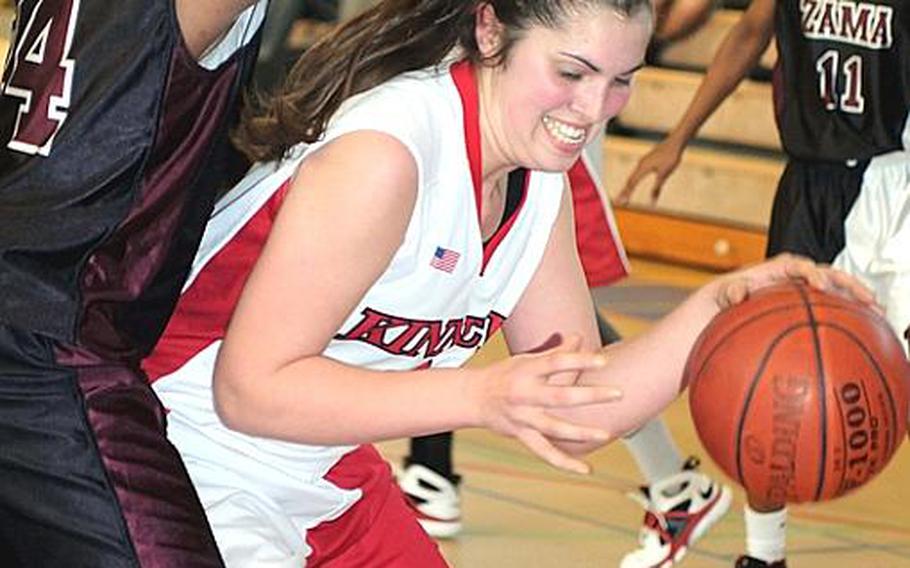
{"x":39,"y":72}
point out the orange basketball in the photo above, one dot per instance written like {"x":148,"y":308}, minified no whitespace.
{"x":799,"y":395}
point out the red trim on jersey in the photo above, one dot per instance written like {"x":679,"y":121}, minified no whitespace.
{"x":466,"y":84}
{"x":204,"y":309}
{"x":598,"y":247}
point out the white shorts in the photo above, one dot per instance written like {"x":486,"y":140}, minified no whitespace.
{"x":877,"y":236}
{"x":259,"y":509}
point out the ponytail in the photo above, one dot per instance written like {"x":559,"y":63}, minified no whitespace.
{"x":391,"y":38}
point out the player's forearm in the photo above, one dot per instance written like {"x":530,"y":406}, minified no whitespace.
{"x":320,"y":401}
{"x":738,"y":54}
{"x":648,"y":368}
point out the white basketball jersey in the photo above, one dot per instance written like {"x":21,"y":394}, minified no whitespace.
{"x":444,"y":293}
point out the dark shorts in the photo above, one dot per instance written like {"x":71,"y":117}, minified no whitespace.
{"x":812,"y":202}
{"x":87,"y":476}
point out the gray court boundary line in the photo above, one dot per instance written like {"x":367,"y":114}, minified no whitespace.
{"x":897,"y":550}
{"x":625,"y":531}
{"x":541,"y":467}
{"x":519,"y":459}
{"x":855,"y":547}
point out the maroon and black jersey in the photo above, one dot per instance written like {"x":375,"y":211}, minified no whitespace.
{"x":842,"y":83}
{"x":112,"y":143}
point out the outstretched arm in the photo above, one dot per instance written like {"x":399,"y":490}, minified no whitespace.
{"x":202,"y":22}
{"x":738,"y":53}
{"x":648,"y":368}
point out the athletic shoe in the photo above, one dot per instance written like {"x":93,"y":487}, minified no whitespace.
{"x":749,"y":562}
{"x":678,"y":510}
{"x":434,"y":499}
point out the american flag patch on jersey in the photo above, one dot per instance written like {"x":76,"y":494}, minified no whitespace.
{"x":445,"y":259}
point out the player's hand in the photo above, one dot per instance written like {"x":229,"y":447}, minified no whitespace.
{"x":514,"y":398}
{"x":735,"y":287}
{"x":661,"y":161}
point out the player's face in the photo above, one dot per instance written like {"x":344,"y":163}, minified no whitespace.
{"x":558,"y":87}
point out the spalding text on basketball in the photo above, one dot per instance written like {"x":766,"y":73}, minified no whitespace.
{"x":790,"y":392}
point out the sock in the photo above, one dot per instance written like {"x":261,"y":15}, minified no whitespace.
{"x":766,"y":534}
{"x":654,"y":451}
{"x":435,"y":452}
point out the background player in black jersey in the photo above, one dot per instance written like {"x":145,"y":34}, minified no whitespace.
{"x":842,"y":94}
{"x":113,"y":120}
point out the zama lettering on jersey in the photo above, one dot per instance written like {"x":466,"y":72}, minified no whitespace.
{"x":421,"y":338}
{"x":39,"y":73}
{"x":856,"y":23}
{"x":862,"y":24}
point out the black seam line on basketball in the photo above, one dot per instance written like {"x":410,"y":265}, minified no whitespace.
{"x":822,"y":400}
{"x":757,"y":316}
{"x":751,"y":394}
{"x":732,"y":331}
{"x":892,"y":406}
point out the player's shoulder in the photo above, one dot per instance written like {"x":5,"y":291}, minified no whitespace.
{"x":420,"y":108}
{"x":409,"y":97}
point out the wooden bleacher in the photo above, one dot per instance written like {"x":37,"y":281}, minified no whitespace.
{"x":696,"y":51}
{"x":661,"y":96}
{"x":714,"y":209}
{"x":6,"y":19}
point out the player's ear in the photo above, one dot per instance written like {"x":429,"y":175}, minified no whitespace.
{"x":488,"y":30}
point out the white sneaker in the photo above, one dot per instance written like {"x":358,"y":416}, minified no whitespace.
{"x":434,"y":499}
{"x":678,"y":511}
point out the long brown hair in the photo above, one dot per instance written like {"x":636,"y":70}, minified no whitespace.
{"x":392,"y":37}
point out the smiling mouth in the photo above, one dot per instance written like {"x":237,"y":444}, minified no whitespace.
{"x":565,"y":133}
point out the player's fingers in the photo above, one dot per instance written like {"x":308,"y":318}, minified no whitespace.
{"x":572,"y":343}
{"x":566,"y":355}
{"x":853,"y":286}
{"x":732,"y":292}
{"x":549,"y":396}
{"x":556,"y":428}
{"x":631,"y":183}
{"x":657,"y":188}
{"x":800,"y":267}
{"x":824,"y":277}
{"x":555,"y":362}
{"x":545,"y":450}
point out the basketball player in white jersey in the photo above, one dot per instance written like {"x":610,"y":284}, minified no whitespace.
{"x":406,"y":207}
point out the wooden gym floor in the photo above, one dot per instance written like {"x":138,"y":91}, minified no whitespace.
{"x":519,"y":512}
